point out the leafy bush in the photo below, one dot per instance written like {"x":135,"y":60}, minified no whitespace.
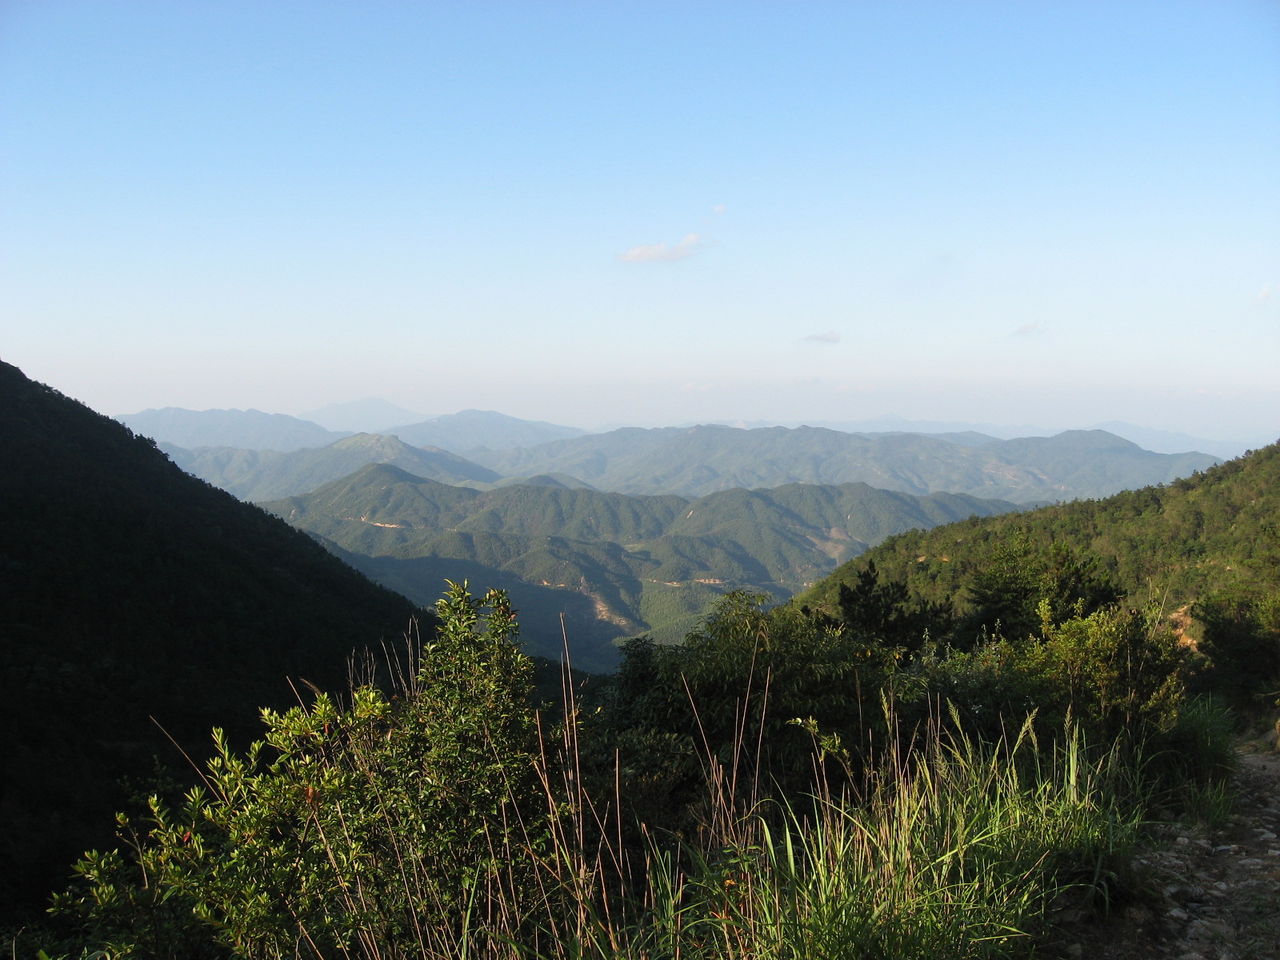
{"x":1242,"y":640}
{"x":1117,"y":672}
{"x":396,"y":825}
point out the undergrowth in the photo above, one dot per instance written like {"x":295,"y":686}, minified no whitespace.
{"x":446,"y":819}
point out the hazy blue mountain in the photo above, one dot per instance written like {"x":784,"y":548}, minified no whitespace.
{"x":371,"y":415}
{"x":245,"y":429}
{"x":615,"y":565}
{"x":695,"y":461}
{"x":1159,"y":441}
{"x":481,"y":430}
{"x":896,"y":424}
{"x":1166,"y":441}
{"x":269,"y":474}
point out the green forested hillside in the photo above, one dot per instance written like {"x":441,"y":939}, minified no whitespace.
{"x":696,"y":461}
{"x":615,"y":565}
{"x":267,"y":474}
{"x":131,"y":590}
{"x":1211,"y":540}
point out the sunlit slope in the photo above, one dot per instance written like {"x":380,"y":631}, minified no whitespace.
{"x":642,"y":563}
{"x":1213,"y":531}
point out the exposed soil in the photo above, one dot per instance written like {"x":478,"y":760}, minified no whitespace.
{"x":1201,"y":894}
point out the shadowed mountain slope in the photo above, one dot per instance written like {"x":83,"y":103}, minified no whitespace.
{"x":131,"y":590}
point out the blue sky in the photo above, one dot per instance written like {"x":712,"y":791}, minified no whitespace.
{"x":592,"y":213}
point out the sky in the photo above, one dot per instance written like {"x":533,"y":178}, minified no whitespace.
{"x":610,"y":212}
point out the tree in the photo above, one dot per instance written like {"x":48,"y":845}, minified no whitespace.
{"x":885,"y":612}
{"x":1005,"y":595}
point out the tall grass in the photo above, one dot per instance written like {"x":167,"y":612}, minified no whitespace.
{"x":947,"y":847}
{"x":956,"y":852}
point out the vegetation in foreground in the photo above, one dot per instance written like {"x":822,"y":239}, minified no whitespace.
{"x":782,"y":785}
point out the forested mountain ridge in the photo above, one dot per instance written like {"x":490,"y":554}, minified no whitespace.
{"x":699,"y":460}
{"x":1211,"y":534}
{"x":254,"y":430}
{"x":615,"y":564}
{"x":696,"y":461}
{"x":129,"y":589}
{"x":268,"y":475}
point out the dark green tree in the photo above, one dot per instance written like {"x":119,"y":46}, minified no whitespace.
{"x":886,"y":612}
{"x":1005,"y":594}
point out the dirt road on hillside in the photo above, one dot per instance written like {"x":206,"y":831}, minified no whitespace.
{"x":1203,"y":894}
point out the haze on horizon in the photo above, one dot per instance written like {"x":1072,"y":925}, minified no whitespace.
{"x":1053,"y":213}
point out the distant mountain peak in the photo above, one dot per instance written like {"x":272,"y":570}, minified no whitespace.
{"x":470,"y":430}
{"x":369,"y":415}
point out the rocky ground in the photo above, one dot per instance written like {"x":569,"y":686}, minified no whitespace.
{"x":1199,"y":893}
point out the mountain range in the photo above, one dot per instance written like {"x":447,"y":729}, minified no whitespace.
{"x":695,"y":461}
{"x":460,"y":432}
{"x":244,"y":429}
{"x":269,"y":474}
{"x":614,"y":565}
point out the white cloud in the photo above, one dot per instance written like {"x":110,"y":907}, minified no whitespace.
{"x":662,"y":252}
{"x":718,"y":209}
{"x":1266,"y":293}
{"x":1026,"y":331}
{"x":830,"y":336}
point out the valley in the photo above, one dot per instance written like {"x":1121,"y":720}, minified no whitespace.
{"x":632,"y":481}
{"x":842,"y":594}
{"x":600,"y":537}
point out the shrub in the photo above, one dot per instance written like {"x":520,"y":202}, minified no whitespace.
{"x":394,"y":825}
{"x":1117,"y":672}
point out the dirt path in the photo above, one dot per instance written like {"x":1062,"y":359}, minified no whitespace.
{"x":1205,"y":894}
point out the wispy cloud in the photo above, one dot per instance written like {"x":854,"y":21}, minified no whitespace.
{"x":1027,"y":331}
{"x":663,"y":252}
{"x":718,"y":209}
{"x":1267,"y":292}
{"x":830,"y":336}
